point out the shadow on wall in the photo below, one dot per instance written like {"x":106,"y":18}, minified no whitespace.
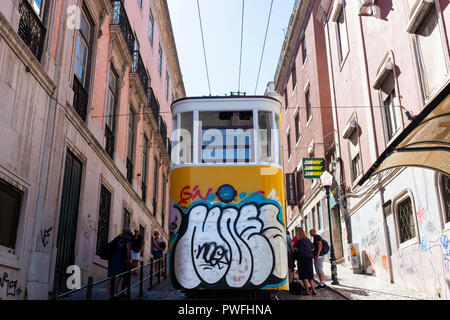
{"x":386,"y":9}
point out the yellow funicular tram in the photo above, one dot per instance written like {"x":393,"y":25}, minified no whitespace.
{"x":227,"y":214}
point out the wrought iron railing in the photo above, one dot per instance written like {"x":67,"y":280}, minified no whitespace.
{"x":129,"y":170}
{"x":139,"y":68}
{"x":31,"y":29}
{"x":157,"y":271}
{"x":109,"y":146}
{"x":162,"y":128}
{"x":154,"y":206}
{"x":121,"y":19}
{"x":144,"y":191}
{"x":169,"y":147}
{"x":80,"y":98}
{"x":152,"y":103}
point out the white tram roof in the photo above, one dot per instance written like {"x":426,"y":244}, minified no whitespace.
{"x":226,"y":103}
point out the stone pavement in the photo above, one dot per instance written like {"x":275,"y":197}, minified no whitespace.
{"x":161,"y":292}
{"x":367,"y":287}
{"x":322,"y":294}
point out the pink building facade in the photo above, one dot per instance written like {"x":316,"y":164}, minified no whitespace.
{"x":86,"y":118}
{"x":387,"y":60}
{"x":302,"y":81}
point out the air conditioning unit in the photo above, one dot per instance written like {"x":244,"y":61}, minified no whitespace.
{"x":349,"y":128}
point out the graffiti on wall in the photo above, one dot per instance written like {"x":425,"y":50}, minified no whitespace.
{"x":9,"y":286}
{"x":45,"y":235}
{"x":188,"y":194}
{"x":229,"y":245}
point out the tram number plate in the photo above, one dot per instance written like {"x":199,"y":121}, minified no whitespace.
{"x":313,"y":168}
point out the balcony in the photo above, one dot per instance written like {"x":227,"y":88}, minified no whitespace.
{"x":129,"y":171}
{"x":162,"y":129}
{"x":153,"y":104}
{"x":109,"y":146}
{"x":120,"y":19}
{"x":80,"y":98}
{"x":144,"y":191}
{"x":139,"y":68}
{"x":169,"y":147}
{"x":31,"y":29}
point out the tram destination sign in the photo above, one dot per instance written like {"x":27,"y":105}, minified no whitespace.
{"x":313,"y":168}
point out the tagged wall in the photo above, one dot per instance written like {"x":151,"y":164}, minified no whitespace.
{"x":422,"y":264}
{"x":240,"y":244}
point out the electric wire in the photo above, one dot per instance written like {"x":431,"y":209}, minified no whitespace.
{"x":264,"y":46}
{"x":242,"y":36}
{"x":320,"y":107}
{"x":203,"y":42}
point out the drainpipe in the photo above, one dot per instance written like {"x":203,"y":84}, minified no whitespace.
{"x":372,"y":135}
{"x":368,"y":97}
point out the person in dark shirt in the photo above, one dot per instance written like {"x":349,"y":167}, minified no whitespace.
{"x":137,"y":244}
{"x":120,"y":262}
{"x":318,"y":257}
{"x":305,"y":261}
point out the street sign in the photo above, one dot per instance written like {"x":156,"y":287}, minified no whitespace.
{"x":313,"y":168}
{"x":290,"y":189}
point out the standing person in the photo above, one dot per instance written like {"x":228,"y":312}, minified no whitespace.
{"x":158,"y":247}
{"x":137,"y":244}
{"x":120,"y":261}
{"x":305,"y":268}
{"x":319,"y":256}
{"x":291,"y":263}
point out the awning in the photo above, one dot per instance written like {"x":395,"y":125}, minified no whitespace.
{"x":424,"y":143}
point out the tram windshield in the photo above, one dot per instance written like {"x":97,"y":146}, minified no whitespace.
{"x":227,"y":137}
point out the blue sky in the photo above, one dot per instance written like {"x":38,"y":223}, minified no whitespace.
{"x":221,"y":21}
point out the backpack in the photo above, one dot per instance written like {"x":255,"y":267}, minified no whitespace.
{"x":162,"y":245}
{"x":295,"y":288}
{"x":325,"y":247}
{"x":108,"y":251}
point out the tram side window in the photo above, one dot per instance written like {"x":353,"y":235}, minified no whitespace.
{"x":226,"y":137}
{"x":186,"y":137}
{"x":265,"y":136}
{"x":278,"y":140}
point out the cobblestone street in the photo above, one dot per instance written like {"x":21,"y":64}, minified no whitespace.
{"x":366,"y":287}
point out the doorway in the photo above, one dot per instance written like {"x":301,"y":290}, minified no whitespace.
{"x":68,"y":218}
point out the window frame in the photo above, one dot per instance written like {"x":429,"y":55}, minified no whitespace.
{"x":114,"y":93}
{"x":89,"y":44}
{"x":151,"y":27}
{"x":304,"y":49}
{"x":354,"y":177}
{"x":160,"y":58}
{"x":445,"y":225}
{"x":19,"y":196}
{"x":294,"y":76}
{"x":395,"y":203}
{"x":289,"y":147}
{"x":155,"y":183}
{"x":340,"y":10}
{"x":434,"y":6}
{"x":308,"y":108}
{"x":167,"y":85}
{"x":298,"y":135}
{"x":125,"y":213}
